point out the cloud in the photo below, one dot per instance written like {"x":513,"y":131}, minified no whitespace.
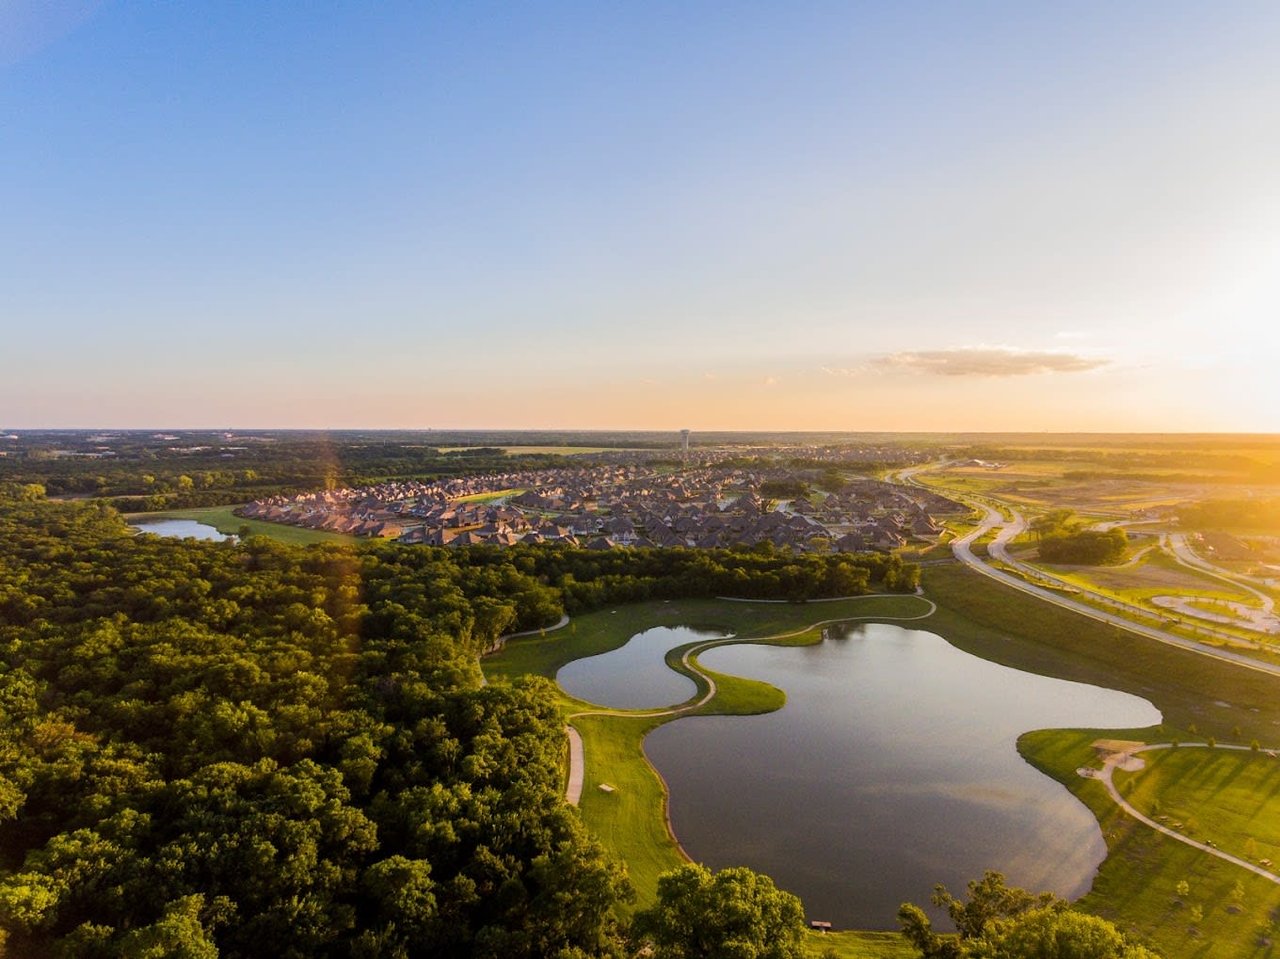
{"x":846,"y":370}
{"x":987,"y":361}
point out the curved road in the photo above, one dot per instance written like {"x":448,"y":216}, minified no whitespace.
{"x":577,"y":760}
{"x":1181,"y":551}
{"x":962,"y":548}
{"x":1104,"y":775}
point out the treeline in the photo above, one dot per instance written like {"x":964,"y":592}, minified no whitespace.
{"x":149,"y":475}
{"x":209,"y":749}
{"x":591,"y":578}
{"x":1062,"y":538}
{"x":1259,"y":515}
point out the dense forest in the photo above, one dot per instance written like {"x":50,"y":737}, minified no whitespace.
{"x":142,"y":473}
{"x":252,"y":749}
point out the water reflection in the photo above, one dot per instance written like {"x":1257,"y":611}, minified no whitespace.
{"x":181,"y":528}
{"x":634,"y":676}
{"x":892,"y":767}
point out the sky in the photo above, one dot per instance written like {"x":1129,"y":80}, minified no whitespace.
{"x":765,"y":215}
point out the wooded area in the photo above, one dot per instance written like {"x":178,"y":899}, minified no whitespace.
{"x":254,"y":749}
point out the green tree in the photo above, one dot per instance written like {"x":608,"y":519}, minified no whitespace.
{"x":735,"y":914}
{"x":990,"y":899}
{"x":1055,"y":932}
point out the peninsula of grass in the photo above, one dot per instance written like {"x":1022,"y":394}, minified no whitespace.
{"x":609,"y":629}
{"x":1226,"y":911}
{"x":631,"y":820}
{"x":1136,"y":886}
{"x":225,"y":521}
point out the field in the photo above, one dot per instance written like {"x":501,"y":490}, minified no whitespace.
{"x":490,"y":497}
{"x":1230,"y":797}
{"x":1138,"y":885}
{"x":536,"y":450}
{"x":224,"y":520}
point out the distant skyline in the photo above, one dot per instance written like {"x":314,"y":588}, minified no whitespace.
{"x":816,"y":216}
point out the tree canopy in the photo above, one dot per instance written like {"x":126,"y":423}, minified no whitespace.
{"x":733,"y":914}
{"x":999,"y":921}
{"x":263,"y":750}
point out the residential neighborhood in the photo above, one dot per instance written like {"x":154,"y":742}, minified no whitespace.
{"x":628,"y":500}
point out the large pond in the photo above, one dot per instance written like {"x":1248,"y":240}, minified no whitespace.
{"x":635,"y":676}
{"x":892,"y":767}
{"x":181,"y":528}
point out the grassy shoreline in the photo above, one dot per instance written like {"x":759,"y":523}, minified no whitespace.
{"x":633,"y":820}
{"x":995,"y":623}
{"x":225,"y":521}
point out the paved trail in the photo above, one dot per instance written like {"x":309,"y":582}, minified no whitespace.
{"x":1104,"y":775}
{"x":573,"y":792}
{"x":577,"y":760}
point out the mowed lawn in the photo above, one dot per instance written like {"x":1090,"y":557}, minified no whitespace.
{"x":630,"y":820}
{"x":1227,"y":796}
{"x":1137,"y":886}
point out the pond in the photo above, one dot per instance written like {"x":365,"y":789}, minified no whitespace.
{"x":635,"y":676}
{"x":181,"y":528}
{"x":892,"y":767}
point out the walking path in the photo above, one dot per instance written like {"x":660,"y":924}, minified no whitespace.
{"x":564,"y":621}
{"x":1104,"y":775}
{"x":577,"y":761}
{"x":573,"y":791}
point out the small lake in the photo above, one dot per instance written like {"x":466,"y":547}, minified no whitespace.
{"x":892,"y":767}
{"x":181,"y":528}
{"x":635,"y":676}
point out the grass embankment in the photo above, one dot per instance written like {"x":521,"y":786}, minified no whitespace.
{"x":860,"y":945}
{"x":1137,"y":885}
{"x":225,"y":521}
{"x":631,"y":820}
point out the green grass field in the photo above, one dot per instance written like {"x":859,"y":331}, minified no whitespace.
{"x":1137,"y":884}
{"x":1134,"y":886}
{"x":490,"y":497}
{"x":631,"y":820}
{"x":1230,"y":797}
{"x":223,"y":520}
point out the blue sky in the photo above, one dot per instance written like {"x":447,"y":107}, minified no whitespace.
{"x":809,"y":216}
